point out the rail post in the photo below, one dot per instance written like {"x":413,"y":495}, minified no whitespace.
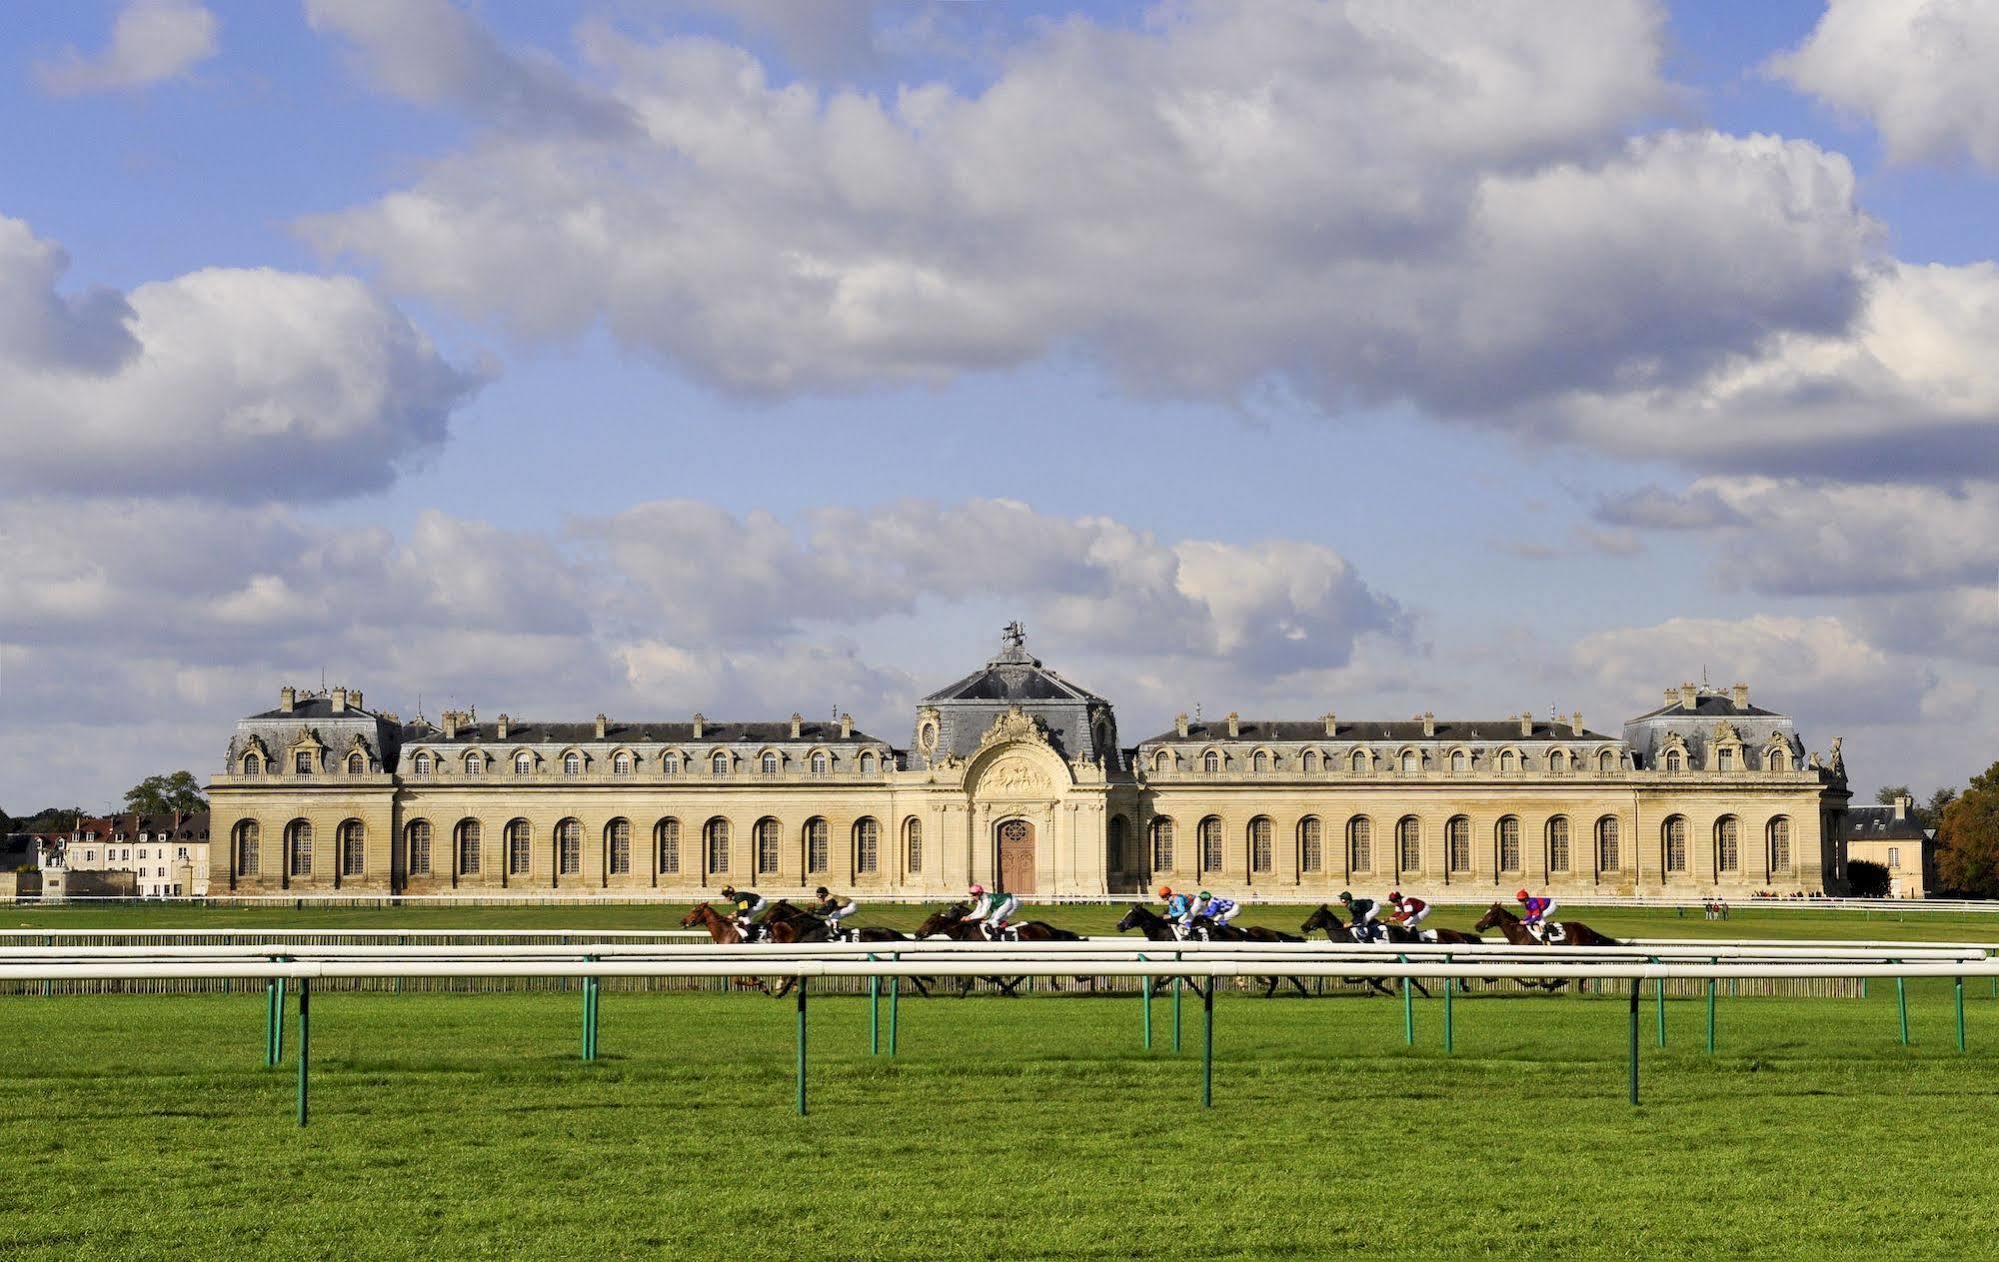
{"x":1176,"y":1009}
{"x":589,"y":1015}
{"x":874,"y":1013}
{"x":1145,"y":1007}
{"x":1449,"y":982}
{"x":1710,"y":1016}
{"x":1960,"y":1014}
{"x":278,"y":1038}
{"x":1208,"y":1045}
{"x":1902,"y":1004}
{"x":894,"y":1002}
{"x":304,"y":1041}
{"x":271,"y":1019}
{"x":801,"y":1046}
{"x":1408,"y":1008}
{"x":1635,"y":984}
{"x":1659,"y":1001}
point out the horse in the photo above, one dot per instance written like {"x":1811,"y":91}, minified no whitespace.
{"x":1156,"y":928}
{"x":787,"y":924}
{"x":723,"y":932}
{"x":951,"y":923}
{"x":1220,"y":931}
{"x":1567,"y":932}
{"x":1329,"y":920}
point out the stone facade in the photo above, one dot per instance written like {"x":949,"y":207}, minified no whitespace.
{"x":1015,"y":777}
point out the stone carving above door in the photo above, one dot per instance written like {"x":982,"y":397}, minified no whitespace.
{"x":1013,"y":777}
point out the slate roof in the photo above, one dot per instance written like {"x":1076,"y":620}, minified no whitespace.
{"x":1014,"y":675}
{"x":317,"y":708}
{"x":1878,"y":823}
{"x":536,"y":732}
{"x":1708,"y":705}
{"x":1488,"y":731}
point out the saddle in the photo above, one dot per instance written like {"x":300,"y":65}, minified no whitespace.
{"x":1009,"y":934}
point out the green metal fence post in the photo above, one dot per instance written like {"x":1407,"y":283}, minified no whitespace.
{"x":1902,"y":1003}
{"x":1863,"y":988}
{"x":1634,"y":1040}
{"x":1145,"y":1007}
{"x":1208,"y":1046}
{"x":1408,"y":1008}
{"x":894,"y":1002}
{"x":1176,"y":1009}
{"x":801,"y":1047}
{"x":1960,"y":1014}
{"x":1710,"y":1016}
{"x":278,"y":1042}
{"x":304,"y":1041}
{"x":1449,"y":982}
{"x":270,"y":1023}
{"x":874,"y":1013}
{"x":589,"y":1015}
{"x":1659,"y":995}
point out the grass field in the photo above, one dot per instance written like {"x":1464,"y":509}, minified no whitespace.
{"x":1747,"y":921}
{"x":466,"y":1127}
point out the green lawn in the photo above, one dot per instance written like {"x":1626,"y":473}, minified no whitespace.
{"x":465,"y":1126}
{"x":1747,"y":922}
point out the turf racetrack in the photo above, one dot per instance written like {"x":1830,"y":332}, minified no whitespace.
{"x":462,"y":1126}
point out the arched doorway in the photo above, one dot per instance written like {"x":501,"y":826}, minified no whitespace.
{"x":1016,"y":856}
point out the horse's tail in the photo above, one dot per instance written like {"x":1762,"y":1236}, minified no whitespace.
{"x":1063,"y":935}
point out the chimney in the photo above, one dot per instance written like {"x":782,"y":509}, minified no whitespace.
{"x":1332,"y":724}
{"x":287,"y":699}
{"x":797,"y":724}
{"x":1180,"y":724}
{"x":450,"y":724}
{"x":502,"y":727}
{"x":1235,"y":724}
{"x":1689,"y":697}
{"x":1576,"y":723}
{"x":602,"y":723}
{"x":1429,"y":723}
{"x":1672,"y":696}
{"x":1527,"y":723}
{"x":846,"y":726}
{"x":1902,"y":806}
{"x":355,"y":697}
{"x":700,"y":725}
{"x":340,"y":701}
{"x":1740,"y":696}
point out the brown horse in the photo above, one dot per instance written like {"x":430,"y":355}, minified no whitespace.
{"x":1338,"y":930}
{"x":1156,"y":928}
{"x":1568,"y":932}
{"x":951,"y":923}
{"x":722,"y":930}
{"x":787,"y":924}
{"x":1213,"y":931}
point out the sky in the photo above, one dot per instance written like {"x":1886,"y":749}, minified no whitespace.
{"x":747,"y":357}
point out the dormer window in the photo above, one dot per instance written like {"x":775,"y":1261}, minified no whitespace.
{"x":1211,"y":762}
{"x":1674,"y":762}
{"x":302,"y":762}
{"x":819,"y":764}
{"x":1460,"y":761}
{"x":1260,"y":762}
{"x":768,"y":764}
{"x":621,"y":765}
{"x":475,"y":764}
{"x":252,"y":765}
{"x":1309,"y":762}
{"x":523,"y":764}
{"x":357,"y":764}
{"x":670,"y":765}
{"x":421,"y":766}
{"x":867,"y":764}
{"x":1724,"y":760}
{"x":719,"y":764}
{"x":1412,"y":762}
{"x":572,"y":764}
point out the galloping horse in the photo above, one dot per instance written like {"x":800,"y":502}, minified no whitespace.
{"x":788,"y":924}
{"x":1567,"y":932}
{"x":722,"y":930}
{"x":1156,"y":928}
{"x":951,"y":923}
{"x":1329,"y":920}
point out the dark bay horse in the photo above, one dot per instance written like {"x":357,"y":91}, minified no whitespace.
{"x":722,"y":930}
{"x":950,"y":922}
{"x":1570,"y":932}
{"x":1337,"y":930}
{"x":1156,"y":928}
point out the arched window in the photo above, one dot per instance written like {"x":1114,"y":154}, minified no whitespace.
{"x":357,"y":764}
{"x":1457,"y":843}
{"x":1507,"y":762}
{"x":1209,"y":835}
{"x":1260,"y":856}
{"x":475,"y":764}
{"x":912,"y":845}
{"x":1606,"y":844}
{"x":302,"y":762}
{"x":1311,"y":845}
{"x":666,"y":840}
{"x":468,"y":847}
{"x":1261,"y":762}
{"x":252,"y":765}
{"x":1359,"y":761}
{"x":669,"y":764}
{"x":353,"y":848}
{"x":1673,"y":839}
{"x":719,"y":764}
{"x":524,"y":763}
{"x":1606,"y":761}
{"x":1116,"y":843}
{"x":1409,"y":844}
{"x":621,"y":764}
{"x":1460,"y":762}
{"x":1558,"y":844}
{"x":766,"y":838}
{"x":1162,"y":845}
{"x":1558,"y":761}
{"x":1412,"y":762}
{"x":618,"y":842}
{"x":768,"y":764}
{"x":1724,"y":759}
{"x":1162,"y":762}
{"x":1674,"y":762}
{"x":818,"y":856}
{"x":1779,"y":760}
{"x":1211,"y":762}
{"x":572,"y":764}
{"x":568,"y":848}
{"x":819,"y":763}
{"x":867,"y":845}
{"x":421,"y":765}
{"x":1308,"y":762}
{"x":1507,"y":835}
{"x":1779,"y":831}
{"x":519,"y":847}
{"x":1728,"y":844}
{"x":867,"y":764}
{"x":1360,"y":844}
{"x":416,"y":842}
{"x":247,"y":841}
{"x":715,"y":836}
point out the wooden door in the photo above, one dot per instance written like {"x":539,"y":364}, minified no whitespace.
{"x":1016,"y":857}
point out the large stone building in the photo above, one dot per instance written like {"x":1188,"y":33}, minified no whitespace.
{"x":1016,"y":776}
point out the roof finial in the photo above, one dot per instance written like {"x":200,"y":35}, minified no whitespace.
{"x":1013,"y":635}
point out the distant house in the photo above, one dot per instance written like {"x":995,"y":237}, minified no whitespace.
{"x":126,"y":856}
{"x":1893,"y":837}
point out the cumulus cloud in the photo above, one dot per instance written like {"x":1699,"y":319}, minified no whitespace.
{"x":244,"y":384}
{"x":1921,"y":71}
{"x":1365,"y":202}
{"x":151,"y":41}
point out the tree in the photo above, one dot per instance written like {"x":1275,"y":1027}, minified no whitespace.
{"x":1968,"y":833}
{"x":1887,"y":793}
{"x":1939,"y":803}
{"x":1867,"y":879}
{"x":163,"y":795}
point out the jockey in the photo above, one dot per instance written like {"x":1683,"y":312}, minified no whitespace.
{"x":992,"y":907}
{"x":750,"y":908}
{"x":1409,"y":912}
{"x":1537,"y":911}
{"x":1363,"y":912}
{"x":1219,"y":910}
{"x":832,"y":910}
{"x":1179,"y":909}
